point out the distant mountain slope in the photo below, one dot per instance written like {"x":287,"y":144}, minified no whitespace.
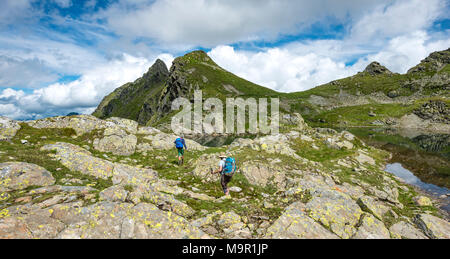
{"x":375,"y":96}
{"x":148,"y":99}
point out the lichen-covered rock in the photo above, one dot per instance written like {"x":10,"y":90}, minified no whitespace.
{"x":371,"y":228}
{"x":81,"y":123}
{"x":432,"y":226}
{"x":335,"y":210}
{"x":18,"y":176}
{"x":422,"y":201}
{"x":147,"y":131}
{"x":80,"y":160}
{"x":228,"y":219}
{"x":363,"y":158}
{"x":204,"y":165}
{"x":262,"y":175}
{"x":295,"y":119}
{"x":272,"y":144}
{"x":294,"y":223}
{"x":370,"y":205}
{"x":114,"y":193}
{"x":117,"y":142}
{"x":100,"y":220}
{"x":129,"y":125}
{"x":8,"y":128}
{"x":403,"y":229}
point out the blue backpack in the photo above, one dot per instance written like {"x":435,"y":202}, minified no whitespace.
{"x":230,"y":166}
{"x":178,"y":143}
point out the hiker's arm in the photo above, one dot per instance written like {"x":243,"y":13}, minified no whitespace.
{"x":218,"y":171}
{"x":184,"y":144}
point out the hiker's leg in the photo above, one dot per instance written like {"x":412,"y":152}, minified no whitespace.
{"x":223,"y":183}
{"x":227,"y":179}
{"x":182,"y":156}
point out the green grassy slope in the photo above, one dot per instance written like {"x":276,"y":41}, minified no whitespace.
{"x":148,"y":102}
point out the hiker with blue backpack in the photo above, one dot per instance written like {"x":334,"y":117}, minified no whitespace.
{"x":180,"y":144}
{"x":227,"y":167}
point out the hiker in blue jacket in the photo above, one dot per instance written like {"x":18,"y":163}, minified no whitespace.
{"x":179,"y":144}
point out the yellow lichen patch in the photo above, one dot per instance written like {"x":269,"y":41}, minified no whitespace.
{"x":4,"y":213}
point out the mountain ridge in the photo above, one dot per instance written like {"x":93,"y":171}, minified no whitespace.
{"x":150,"y":101}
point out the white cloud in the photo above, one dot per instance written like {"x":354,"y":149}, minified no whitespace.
{"x":63,"y":3}
{"x":13,"y":10}
{"x":402,"y":17}
{"x":81,"y":95}
{"x":281,"y":69}
{"x":403,"y":52}
{"x":208,"y":23}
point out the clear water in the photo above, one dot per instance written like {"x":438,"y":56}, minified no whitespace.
{"x":434,"y":190}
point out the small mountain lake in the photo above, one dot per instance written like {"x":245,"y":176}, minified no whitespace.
{"x":419,"y":158}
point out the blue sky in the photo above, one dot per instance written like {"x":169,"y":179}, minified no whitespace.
{"x":59,"y":56}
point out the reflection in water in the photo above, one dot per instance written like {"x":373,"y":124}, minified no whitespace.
{"x":425,"y":154}
{"x":433,"y":143}
{"x":398,"y":170}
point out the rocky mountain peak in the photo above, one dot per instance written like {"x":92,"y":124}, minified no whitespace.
{"x":157,"y":71}
{"x":197,"y":56}
{"x":376,"y":68}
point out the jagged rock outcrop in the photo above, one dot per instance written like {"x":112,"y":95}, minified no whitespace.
{"x":376,"y":68}
{"x":436,"y":111}
{"x":8,"y":128}
{"x":137,"y":100}
{"x":434,"y":62}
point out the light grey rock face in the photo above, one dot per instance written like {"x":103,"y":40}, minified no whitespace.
{"x":116,"y":141}
{"x":101,"y":220}
{"x":204,"y":165}
{"x":18,"y":176}
{"x":369,"y":204}
{"x":129,"y":125}
{"x":294,"y":223}
{"x":262,"y":175}
{"x":422,"y":201}
{"x":403,"y":229}
{"x":371,"y":228}
{"x":335,"y":210}
{"x":272,"y":144}
{"x":8,"y":128}
{"x":81,"y":123}
{"x":432,"y":226}
{"x":235,"y":189}
{"x":295,"y":119}
{"x":84,"y":123}
{"x":114,"y":193}
{"x":228,"y":219}
{"x":78,"y":159}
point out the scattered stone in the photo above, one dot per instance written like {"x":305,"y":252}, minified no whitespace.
{"x":235,"y":189}
{"x":295,"y":224}
{"x":371,"y":228}
{"x":403,"y":229}
{"x":18,"y":176}
{"x":432,"y":226}
{"x":8,"y":128}
{"x":422,"y":201}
